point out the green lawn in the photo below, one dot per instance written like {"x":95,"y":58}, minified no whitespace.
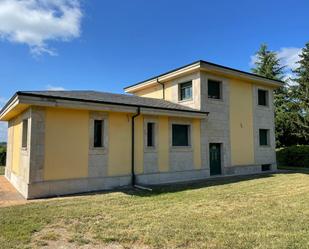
{"x":269,"y":211}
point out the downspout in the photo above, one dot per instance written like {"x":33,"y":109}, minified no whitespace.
{"x":163,"y":88}
{"x":132,"y":147}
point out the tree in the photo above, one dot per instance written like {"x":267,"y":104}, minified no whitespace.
{"x":301,"y":95}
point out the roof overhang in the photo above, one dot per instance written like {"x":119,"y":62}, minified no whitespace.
{"x":21,"y":101}
{"x":206,"y":67}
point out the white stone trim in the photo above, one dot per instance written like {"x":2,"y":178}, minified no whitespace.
{"x":154,"y":120}
{"x":98,"y":116}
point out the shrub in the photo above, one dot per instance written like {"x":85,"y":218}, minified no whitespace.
{"x":297,"y":156}
{"x":2,"y":156}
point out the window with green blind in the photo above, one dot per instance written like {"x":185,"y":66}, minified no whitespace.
{"x":263,"y":97}
{"x":185,"y":91}
{"x":180,"y":135}
{"x":214,"y":89}
{"x":264,"y":137}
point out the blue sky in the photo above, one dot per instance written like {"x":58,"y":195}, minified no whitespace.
{"x":107,"y":45}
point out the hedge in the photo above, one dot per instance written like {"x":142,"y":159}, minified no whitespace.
{"x":296,"y":156}
{"x":2,"y":156}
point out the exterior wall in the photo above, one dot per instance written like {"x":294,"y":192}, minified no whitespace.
{"x":217,"y":126}
{"x":241,"y":123}
{"x":18,"y":158}
{"x":263,"y":118}
{"x":66,"y":144}
{"x":172,"y":91}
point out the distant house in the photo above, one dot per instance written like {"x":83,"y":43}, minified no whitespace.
{"x":191,"y":123}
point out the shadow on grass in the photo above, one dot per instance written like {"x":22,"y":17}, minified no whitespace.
{"x":183,"y":186}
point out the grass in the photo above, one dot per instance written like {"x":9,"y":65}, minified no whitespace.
{"x":293,"y":168}
{"x":2,"y":168}
{"x":268,"y":211}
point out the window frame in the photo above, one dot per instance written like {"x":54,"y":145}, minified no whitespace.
{"x":95,"y":115}
{"x":25,"y":134}
{"x":220,"y":83}
{"x":189,"y":132}
{"x":267,"y":138}
{"x":180,"y":88}
{"x":266,"y":97}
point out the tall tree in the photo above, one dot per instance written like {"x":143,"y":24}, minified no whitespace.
{"x":268,"y":64}
{"x":301,"y":94}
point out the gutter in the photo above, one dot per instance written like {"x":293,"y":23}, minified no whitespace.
{"x":133,"y":148}
{"x":163,"y":88}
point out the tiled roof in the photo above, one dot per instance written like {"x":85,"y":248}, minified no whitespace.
{"x":110,"y":98}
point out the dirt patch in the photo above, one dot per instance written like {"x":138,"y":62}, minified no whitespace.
{"x":58,"y":237}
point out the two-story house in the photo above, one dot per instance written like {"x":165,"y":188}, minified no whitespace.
{"x":191,"y":123}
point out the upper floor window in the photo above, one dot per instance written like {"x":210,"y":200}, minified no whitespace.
{"x":264,"y":137}
{"x":24,"y":142}
{"x":214,"y":89}
{"x":262,"y":97}
{"x":150,"y":134}
{"x":185,"y":91}
{"x":180,"y":135}
{"x":98,"y":133}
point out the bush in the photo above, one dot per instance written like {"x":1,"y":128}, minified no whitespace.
{"x":2,"y":156}
{"x":297,"y":156}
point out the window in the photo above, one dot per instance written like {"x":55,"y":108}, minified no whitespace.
{"x":150,"y":135}
{"x":214,"y":89}
{"x":98,"y":133}
{"x":185,"y":91}
{"x":25,"y":134}
{"x":262,"y":97}
{"x":264,"y":137}
{"x":265,"y":167}
{"x":180,"y":135}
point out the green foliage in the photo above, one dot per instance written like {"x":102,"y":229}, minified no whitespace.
{"x":2,"y":155}
{"x":295,"y":156}
{"x":301,"y":94}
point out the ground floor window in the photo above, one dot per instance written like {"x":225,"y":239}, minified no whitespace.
{"x":264,"y":137}
{"x":25,"y":134}
{"x":180,"y":135}
{"x":98,"y":133}
{"x":150,"y":134}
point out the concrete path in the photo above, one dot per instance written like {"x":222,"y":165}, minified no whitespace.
{"x":9,"y":195}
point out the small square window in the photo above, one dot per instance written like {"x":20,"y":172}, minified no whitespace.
{"x":265,"y":167}
{"x":185,"y":91}
{"x":150,"y":134}
{"x":180,"y":135}
{"x":98,"y":133}
{"x":262,"y":97}
{"x":25,"y":134}
{"x":264,"y":137}
{"x":214,"y":89}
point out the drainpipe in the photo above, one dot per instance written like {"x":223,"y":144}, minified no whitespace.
{"x":132,"y":150}
{"x":163,"y":87}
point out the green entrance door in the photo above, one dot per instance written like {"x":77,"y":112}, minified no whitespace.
{"x":215,"y":159}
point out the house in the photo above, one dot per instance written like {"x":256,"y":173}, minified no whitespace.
{"x":190,"y":123}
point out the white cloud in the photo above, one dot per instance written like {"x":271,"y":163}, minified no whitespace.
{"x":289,"y":57}
{"x":55,"y":88}
{"x":36,"y":22}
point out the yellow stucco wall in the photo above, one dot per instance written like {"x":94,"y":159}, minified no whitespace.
{"x":119,"y":157}
{"x":151,"y":92}
{"x":16,"y":134}
{"x":241,"y":123}
{"x":139,"y":145}
{"x":196,"y":125}
{"x":66,"y":144}
{"x":163,"y":144}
